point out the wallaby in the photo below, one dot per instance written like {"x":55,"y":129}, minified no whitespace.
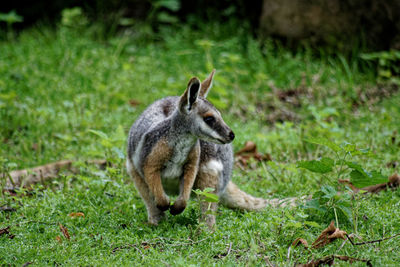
{"x":184,"y":141}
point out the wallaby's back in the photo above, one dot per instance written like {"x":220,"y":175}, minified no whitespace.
{"x":151,"y":117}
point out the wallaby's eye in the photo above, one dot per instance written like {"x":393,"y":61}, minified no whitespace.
{"x":209,"y":119}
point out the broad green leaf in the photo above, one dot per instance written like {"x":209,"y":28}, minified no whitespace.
{"x":197,"y":191}
{"x":379,"y":177}
{"x":208,"y":190}
{"x":360,"y":180}
{"x":202,"y":192}
{"x":329,"y":192}
{"x":328,"y":161}
{"x":210,"y":197}
{"x":357,"y":167}
{"x":314,"y":204}
{"x":324,"y":142}
{"x":357,"y":178}
{"x":323,"y":165}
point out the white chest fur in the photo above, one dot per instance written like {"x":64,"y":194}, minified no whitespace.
{"x":173,"y":168}
{"x":213,"y":167}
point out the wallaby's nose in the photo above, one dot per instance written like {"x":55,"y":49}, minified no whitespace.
{"x":231,"y":136}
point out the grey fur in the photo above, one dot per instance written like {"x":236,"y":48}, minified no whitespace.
{"x":162,"y":118}
{"x":222,"y":153}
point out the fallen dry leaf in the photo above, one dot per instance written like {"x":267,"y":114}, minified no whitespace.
{"x":299,"y":241}
{"x":64,"y":231}
{"x":58,"y":238}
{"x":250,"y":151}
{"x":349,"y":184}
{"x":7,"y":209}
{"x":394,"y":182}
{"x":328,"y":235}
{"x":5,"y":230}
{"x":134,"y":102}
{"x":291,"y":96}
{"x":370,"y":96}
{"x":330,"y":260}
{"x":76,"y":214}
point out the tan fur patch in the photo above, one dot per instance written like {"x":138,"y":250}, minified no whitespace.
{"x":152,"y":171}
{"x":154,"y":214}
{"x":233,"y":197}
{"x":207,"y":114}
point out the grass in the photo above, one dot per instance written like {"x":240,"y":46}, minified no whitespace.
{"x":57,"y":85}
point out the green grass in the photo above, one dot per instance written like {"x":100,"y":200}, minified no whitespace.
{"x":56,"y":86}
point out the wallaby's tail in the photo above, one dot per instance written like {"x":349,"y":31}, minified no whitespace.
{"x":42,"y":173}
{"x":235,"y":198}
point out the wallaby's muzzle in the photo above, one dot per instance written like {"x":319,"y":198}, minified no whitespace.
{"x":232,"y":135}
{"x":227,"y":136}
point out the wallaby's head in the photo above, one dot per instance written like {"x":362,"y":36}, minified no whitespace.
{"x":202,"y":118}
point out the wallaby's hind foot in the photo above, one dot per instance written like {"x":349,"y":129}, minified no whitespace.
{"x":178,"y":207}
{"x":154,"y":214}
{"x":163,"y":204}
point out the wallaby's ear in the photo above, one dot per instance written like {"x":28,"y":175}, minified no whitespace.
{"x":190,"y":95}
{"x":206,"y":84}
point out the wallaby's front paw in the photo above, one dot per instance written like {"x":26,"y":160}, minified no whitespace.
{"x":163,"y":204}
{"x":178,"y":207}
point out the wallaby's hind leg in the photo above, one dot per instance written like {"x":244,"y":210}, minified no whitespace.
{"x":154,"y":215}
{"x":152,"y":173}
{"x":207,"y":177}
